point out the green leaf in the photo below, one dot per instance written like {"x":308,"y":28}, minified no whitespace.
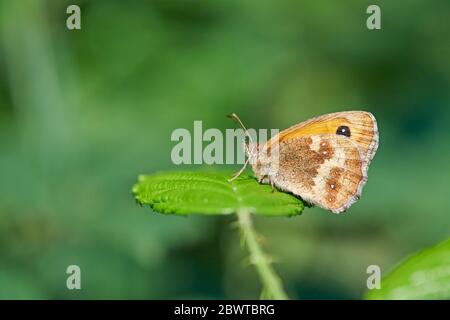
{"x":425,"y":275}
{"x":210,"y":193}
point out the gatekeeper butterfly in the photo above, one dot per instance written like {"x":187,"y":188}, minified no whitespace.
{"x":323,"y":160}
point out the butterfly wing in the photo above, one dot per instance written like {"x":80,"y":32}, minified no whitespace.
{"x":324,"y":169}
{"x":362,"y":128}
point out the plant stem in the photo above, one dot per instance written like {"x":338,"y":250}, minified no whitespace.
{"x":272,"y":285}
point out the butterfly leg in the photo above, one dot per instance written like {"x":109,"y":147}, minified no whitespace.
{"x":266,"y":179}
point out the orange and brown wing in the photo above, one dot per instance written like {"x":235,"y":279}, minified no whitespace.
{"x":358,"y":126}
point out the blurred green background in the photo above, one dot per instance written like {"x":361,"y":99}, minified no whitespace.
{"x":82,"y":113}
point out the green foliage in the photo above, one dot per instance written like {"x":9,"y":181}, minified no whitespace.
{"x":425,"y":275}
{"x":76,"y":122}
{"x":211,"y":193}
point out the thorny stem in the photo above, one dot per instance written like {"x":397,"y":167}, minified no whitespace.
{"x":272,"y":285}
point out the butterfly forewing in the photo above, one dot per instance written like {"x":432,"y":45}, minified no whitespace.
{"x":361,"y":126}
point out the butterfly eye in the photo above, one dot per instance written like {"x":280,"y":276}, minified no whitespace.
{"x":344,"y":131}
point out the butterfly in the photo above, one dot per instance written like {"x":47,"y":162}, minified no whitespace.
{"x":323,"y":160}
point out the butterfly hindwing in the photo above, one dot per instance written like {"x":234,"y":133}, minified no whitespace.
{"x":323,"y":169}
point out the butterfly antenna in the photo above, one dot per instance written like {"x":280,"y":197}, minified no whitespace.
{"x":235,"y":117}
